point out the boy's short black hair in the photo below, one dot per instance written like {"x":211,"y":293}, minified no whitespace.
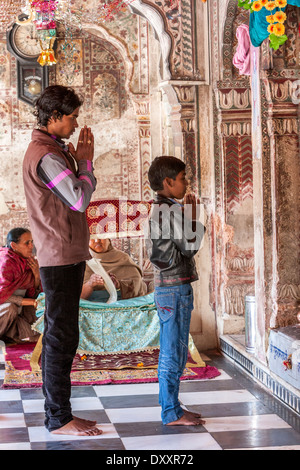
{"x":56,"y":100}
{"x":164,"y":167}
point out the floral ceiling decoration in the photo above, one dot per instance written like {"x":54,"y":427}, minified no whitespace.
{"x":267,"y":19}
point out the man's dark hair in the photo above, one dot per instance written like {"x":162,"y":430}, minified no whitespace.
{"x":164,"y":167}
{"x":55,"y":101}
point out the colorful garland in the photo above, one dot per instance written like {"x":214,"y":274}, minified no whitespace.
{"x":44,"y":21}
{"x":276,"y":28}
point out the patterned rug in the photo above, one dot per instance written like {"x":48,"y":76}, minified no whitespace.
{"x":117,"y":217}
{"x":90,"y":369}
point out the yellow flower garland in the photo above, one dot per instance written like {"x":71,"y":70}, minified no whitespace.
{"x":280,"y":16}
{"x":277,"y":18}
{"x":276,"y":29}
{"x":270,"y":6}
{"x":257,"y":6}
{"x":279,"y":29}
{"x":281,"y":3}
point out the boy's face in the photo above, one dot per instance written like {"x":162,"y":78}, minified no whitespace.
{"x":178,"y":186}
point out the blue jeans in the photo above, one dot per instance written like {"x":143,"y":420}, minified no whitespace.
{"x":174,"y":306}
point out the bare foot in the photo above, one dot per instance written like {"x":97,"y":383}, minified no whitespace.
{"x":79,"y":427}
{"x":187,"y":420}
{"x":192,"y":414}
{"x":87,"y":421}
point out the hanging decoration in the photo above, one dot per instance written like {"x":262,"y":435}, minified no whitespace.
{"x":242,"y":57}
{"x":267,"y":20}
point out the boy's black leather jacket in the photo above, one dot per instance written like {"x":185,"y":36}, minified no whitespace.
{"x":172,"y":242}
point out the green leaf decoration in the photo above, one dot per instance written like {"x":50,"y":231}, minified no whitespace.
{"x":276,"y":41}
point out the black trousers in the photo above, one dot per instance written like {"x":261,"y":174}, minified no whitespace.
{"x":62,"y":286}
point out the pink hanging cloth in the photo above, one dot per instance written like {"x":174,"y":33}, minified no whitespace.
{"x":241,"y":59}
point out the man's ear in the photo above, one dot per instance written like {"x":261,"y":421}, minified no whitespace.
{"x":55,"y":116}
{"x":169,"y":181}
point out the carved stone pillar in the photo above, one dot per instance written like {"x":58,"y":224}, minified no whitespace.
{"x":183,"y":115}
{"x":281,"y":197}
{"x":142,"y":109}
{"x":187,"y":98}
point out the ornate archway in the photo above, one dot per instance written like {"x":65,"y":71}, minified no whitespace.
{"x":182,"y":70}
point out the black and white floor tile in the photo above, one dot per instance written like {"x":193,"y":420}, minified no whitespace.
{"x":239,"y":415}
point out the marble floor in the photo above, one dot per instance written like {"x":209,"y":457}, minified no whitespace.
{"x":239,"y":415}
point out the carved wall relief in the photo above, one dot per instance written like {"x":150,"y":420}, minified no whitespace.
{"x":282,"y":220}
{"x":288,"y":228}
{"x":281,"y":173}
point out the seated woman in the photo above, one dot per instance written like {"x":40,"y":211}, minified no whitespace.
{"x":19,"y":286}
{"x":125,"y":274}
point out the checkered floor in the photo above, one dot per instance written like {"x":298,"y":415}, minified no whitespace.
{"x":239,"y":414}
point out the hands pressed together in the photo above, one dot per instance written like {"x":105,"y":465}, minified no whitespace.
{"x":34,"y":265}
{"x":192,"y":203}
{"x":85,"y":145}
